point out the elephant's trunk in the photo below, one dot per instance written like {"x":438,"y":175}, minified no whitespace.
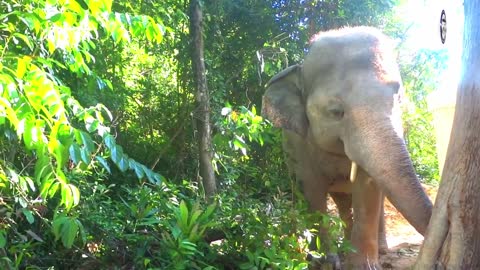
{"x":376,"y":147}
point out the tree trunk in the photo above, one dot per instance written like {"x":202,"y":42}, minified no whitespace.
{"x":202,"y":112}
{"x":453,"y":237}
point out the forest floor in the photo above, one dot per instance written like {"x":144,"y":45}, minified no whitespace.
{"x":403,"y":240}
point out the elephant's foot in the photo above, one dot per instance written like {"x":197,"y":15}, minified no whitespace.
{"x":329,"y":262}
{"x":357,"y":262}
{"x":365,"y":266}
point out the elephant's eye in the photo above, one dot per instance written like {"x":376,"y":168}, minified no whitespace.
{"x":335,"y":110}
{"x":338,"y":114}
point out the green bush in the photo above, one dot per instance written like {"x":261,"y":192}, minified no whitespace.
{"x":420,"y":78}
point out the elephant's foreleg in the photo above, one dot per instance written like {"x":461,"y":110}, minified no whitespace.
{"x":344,"y":205}
{"x":315,"y":193}
{"x":382,"y":233}
{"x":366,"y":210}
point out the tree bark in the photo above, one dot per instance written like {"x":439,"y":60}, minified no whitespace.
{"x":202,"y":113}
{"x":453,"y":237}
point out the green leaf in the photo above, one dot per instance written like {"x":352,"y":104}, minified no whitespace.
{"x":131,"y":163}
{"x":117,"y":154}
{"x":189,"y":246}
{"x":150,"y":32}
{"x":75,"y":7}
{"x":53,"y":189}
{"x":139,"y":170}
{"x":71,"y":19}
{"x":67,"y":198}
{"x":239,"y":142}
{"x":209,"y":211}
{"x":11,"y":115}
{"x":82,"y":231}
{"x":34,"y":236}
{"x":69,"y":233}
{"x":51,"y":46}
{"x":75,"y":154}
{"x":43,"y":168}
{"x":150,"y":175}
{"x":148,"y":222}
{"x":158,"y":178}
{"x":318,"y":243}
{"x":3,"y":238}
{"x":123,"y":164}
{"x":30,"y":183}
{"x":58,"y":221}
{"x":57,"y":18}
{"x":109,"y":141}
{"x":30,"y":136}
{"x":26,"y":40}
{"x":87,"y":141}
{"x":104,"y":163}
{"x":91,"y":123}
{"x":183,"y":213}
{"x":61,"y":156}
{"x":196,"y":214}
{"x":32,"y":21}
{"x":66,"y":229}
{"x":46,"y":186}
{"x":70,"y":195}
{"x":21,"y":67}
{"x":85,"y":155}
{"x":28,"y":214}
{"x":75,"y":194}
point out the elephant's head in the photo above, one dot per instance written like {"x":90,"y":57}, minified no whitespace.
{"x":345,"y":99}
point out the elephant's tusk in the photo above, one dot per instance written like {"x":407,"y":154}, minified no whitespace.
{"x":353,"y":171}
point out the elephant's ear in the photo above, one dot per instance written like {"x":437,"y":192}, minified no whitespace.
{"x":283,"y":103}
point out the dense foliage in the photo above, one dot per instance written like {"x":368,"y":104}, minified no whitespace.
{"x":419,"y":74}
{"x":98,"y":166}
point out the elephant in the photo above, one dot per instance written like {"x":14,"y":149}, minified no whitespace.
{"x":340,"y":114}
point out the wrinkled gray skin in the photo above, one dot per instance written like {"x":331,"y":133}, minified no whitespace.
{"x":342,"y":105}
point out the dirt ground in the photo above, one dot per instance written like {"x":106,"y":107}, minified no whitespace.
{"x":403,"y":241}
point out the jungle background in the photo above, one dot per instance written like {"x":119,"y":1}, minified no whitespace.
{"x":98,"y":155}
